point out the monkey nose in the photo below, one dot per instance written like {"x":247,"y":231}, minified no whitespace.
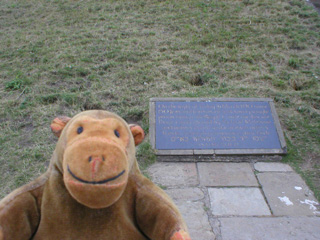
{"x":95,"y":162}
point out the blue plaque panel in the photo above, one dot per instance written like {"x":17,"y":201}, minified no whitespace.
{"x":215,"y":125}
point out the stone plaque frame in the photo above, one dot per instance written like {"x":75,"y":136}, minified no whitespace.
{"x":215,"y":152}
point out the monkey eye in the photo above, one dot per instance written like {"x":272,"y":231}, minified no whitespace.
{"x":80,"y":130}
{"x":116,"y":132}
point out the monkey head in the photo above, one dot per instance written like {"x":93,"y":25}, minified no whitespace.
{"x":96,"y":152}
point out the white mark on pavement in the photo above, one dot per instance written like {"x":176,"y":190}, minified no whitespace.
{"x":298,"y":188}
{"x":310,"y":203}
{"x":285,"y":200}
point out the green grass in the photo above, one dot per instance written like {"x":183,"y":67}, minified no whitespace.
{"x":146,"y":157}
{"x":61,"y":57}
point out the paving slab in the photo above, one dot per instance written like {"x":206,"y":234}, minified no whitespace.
{"x":185,"y":194}
{"x":288,"y":195}
{"x":237,"y":202}
{"x":217,"y":174}
{"x":174,"y":174}
{"x":280,"y":228}
{"x":272,"y":167}
{"x":189,"y":202}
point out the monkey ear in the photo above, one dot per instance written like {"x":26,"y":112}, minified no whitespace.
{"x":58,"y":124}
{"x":137,"y":132}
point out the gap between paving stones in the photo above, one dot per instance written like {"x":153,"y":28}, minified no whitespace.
{"x":255,"y":170}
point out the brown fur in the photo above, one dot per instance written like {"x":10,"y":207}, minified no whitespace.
{"x":93,"y":189}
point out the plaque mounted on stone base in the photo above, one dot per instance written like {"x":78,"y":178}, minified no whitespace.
{"x":215,"y":126}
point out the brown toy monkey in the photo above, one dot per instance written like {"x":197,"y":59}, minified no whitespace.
{"x":93,"y":189}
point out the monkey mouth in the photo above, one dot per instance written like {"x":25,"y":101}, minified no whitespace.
{"x":95,"y":182}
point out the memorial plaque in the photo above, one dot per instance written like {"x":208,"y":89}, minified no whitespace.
{"x":227,"y":126}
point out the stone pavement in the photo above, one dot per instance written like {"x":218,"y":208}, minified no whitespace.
{"x":226,"y":201}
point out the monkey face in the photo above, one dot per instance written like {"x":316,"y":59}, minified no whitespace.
{"x":95,"y":155}
{"x":96,"y":161}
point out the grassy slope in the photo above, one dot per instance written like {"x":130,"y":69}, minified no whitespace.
{"x":60,"y":57}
